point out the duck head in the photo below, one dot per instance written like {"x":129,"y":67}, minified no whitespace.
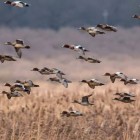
{"x":8,"y":43}
{"x":35,"y":69}
{"x":80,"y":57}
{"x":75,"y":101}
{"x":82,"y":28}
{"x":84,"y":81}
{"x":107,"y":74}
{"x":4,"y":92}
{"x":116,"y":99}
{"x":7,"y":84}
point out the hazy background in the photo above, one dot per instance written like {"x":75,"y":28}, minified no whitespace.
{"x":48,"y":24}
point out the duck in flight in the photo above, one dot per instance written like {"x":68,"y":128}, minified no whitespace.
{"x":93,"y":83}
{"x":89,"y":59}
{"x":93,"y":31}
{"x":77,"y":48}
{"x":18,"y":45}
{"x":6,"y":58}
{"x":114,"y":76}
{"x":84,"y":101}
{"x":19,"y":4}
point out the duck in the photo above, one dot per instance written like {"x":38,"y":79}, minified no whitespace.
{"x":136,"y":16}
{"x":124,"y":99}
{"x":17,"y":87}
{"x":84,"y":101}
{"x":6,"y":58}
{"x":63,"y":81}
{"x":89,"y":59}
{"x":18,"y":45}
{"x":130,"y":81}
{"x":43,"y":71}
{"x":93,"y":31}
{"x":123,"y":94}
{"x":73,"y":113}
{"x":19,"y":4}
{"x":77,"y":48}
{"x":106,"y":27}
{"x":28,"y":83}
{"x":12,"y":94}
{"x":93,"y":83}
{"x":114,"y":76}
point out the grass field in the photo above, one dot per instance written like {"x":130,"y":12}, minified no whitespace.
{"x":37,"y":116}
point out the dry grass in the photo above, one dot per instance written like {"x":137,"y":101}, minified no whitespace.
{"x":37,"y":116}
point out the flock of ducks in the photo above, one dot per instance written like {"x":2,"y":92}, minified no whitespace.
{"x":19,"y":88}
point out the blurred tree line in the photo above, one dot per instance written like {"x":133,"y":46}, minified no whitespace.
{"x":60,"y":13}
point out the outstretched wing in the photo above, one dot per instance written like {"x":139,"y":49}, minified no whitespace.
{"x":19,"y":41}
{"x":112,"y":78}
{"x":85,"y":98}
{"x":92,"y":34}
{"x":18,"y":51}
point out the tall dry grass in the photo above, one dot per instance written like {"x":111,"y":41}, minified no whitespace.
{"x":37,"y":116}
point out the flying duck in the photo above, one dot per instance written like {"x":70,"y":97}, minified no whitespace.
{"x":136,"y":16}
{"x":18,"y":45}
{"x":84,"y":101}
{"x":73,"y":113}
{"x":118,"y":75}
{"x":89,"y":59}
{"x":93,"y":31}
{"x":125,"y":99}
{"x":12,"y":94}
{"x":43,"y":71}
{"x":19,"y":4}
{"x":6,"y":58}
{"x":106,"y":27}
{"x":28,"y":83}
{"x":77,"y":48}
{"x":93,"y":83}
{"x":17,"y":87}
{"x":63,"y":81}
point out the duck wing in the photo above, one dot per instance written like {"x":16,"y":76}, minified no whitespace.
{"x":64,"y":83}
{"x":85,"y":98}
{"x":18,"y":51}
{"x":2,"y":60}
{"x":19,"y":41}
{"x":112,"y":78}
{"x":92,"y":34}
{"x":129,"y":95}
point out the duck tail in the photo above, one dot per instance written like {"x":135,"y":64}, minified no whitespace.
{"x":27,"y":47}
